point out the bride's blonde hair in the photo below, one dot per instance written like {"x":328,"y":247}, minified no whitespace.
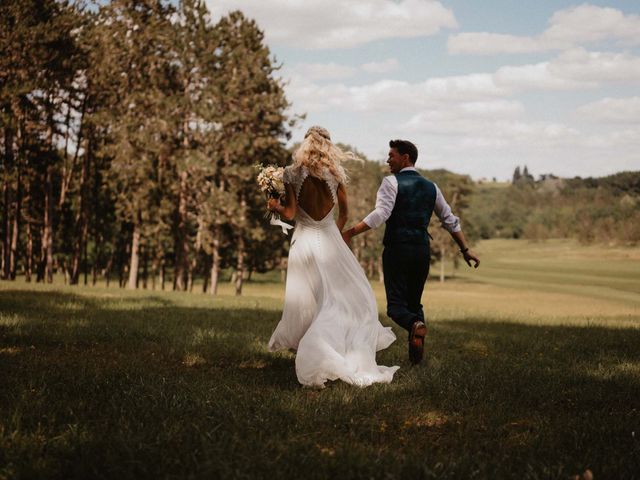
{"x":317,"y":152}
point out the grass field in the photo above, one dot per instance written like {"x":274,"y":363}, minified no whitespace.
{"x":532,"y":371}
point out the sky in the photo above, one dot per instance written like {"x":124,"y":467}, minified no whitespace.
{"x":481,"y":87}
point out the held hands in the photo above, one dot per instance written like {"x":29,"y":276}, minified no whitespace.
{"x":347,"y":235}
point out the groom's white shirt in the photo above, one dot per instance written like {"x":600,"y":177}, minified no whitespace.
{"x":386,"y":199}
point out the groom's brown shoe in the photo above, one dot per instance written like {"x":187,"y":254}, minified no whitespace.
{"x":416,"y":342}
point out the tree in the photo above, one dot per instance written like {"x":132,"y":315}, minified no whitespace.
{"x":516,"y":176}
{"x":137,"y":77}
{"x":37,"y":69}
{"x":457,"y":190}
{"x":252,"y":127}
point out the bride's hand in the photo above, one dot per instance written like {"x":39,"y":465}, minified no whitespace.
{"x":273,"y":204}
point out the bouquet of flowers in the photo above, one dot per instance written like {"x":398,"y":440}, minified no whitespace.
{"x":270,"y":180}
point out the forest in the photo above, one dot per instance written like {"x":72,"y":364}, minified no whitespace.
{"x":130,"y":134}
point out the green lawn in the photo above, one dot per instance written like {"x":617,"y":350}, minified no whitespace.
{"x":532,"y":371}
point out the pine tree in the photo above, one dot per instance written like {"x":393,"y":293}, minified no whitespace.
{"x":136,"y":75}
{"x":37,"y":69}
{"x":516,"y":176}
{"x":252,"y":127}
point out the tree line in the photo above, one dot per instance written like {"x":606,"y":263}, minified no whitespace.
{"x":130,"y":133}
{"x":591,"y":210}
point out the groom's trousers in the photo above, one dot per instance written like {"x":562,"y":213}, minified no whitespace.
{"x":405,"y":268}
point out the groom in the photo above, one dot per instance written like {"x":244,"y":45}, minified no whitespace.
{"x":406,"y":201}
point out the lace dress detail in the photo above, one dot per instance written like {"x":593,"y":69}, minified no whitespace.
{"x":297,"y":175}
{"x":330,"y":315}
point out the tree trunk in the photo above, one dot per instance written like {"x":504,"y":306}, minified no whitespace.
{"x":215,"y":264}
{"x":6,"y":193}
{"x":442,"y":257}
{"x":182,"y":247}
{"x":86,"y":265}
{"x":205,"y":278}
{"x":135,"y":247}
{"x":107,"y":270}
{"x":154,"y":272}
{"x":240,"y":267}
{"x":47,"y":240}
{"x":6,"y":223}
{"x":41,"y":260}
{"x":145,"y":268}
{"x":29,"y":254}
{"x":13,"y":256}
{"x":65,"y":272}
{"x":2,"y":259}
{"x":82,"y":219}
{"x":192,"y":268}
{"x":96,"y":259}
{"x":380,"y":271}
{"x":67,"y":171}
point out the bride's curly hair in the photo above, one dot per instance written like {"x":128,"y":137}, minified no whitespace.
{"x":317,"y":152}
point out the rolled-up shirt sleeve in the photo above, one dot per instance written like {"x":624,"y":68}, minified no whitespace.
{"x":448,"y":220}
{"x":385,"y":201}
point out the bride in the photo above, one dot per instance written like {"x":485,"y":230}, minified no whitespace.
{"x":330,"y":315}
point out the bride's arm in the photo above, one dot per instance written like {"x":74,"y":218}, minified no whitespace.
{"x":343,"y":207}
{"x":290,"y":206}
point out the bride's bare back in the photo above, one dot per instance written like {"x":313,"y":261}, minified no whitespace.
{"x":314,"y":195}
{"x":315,"y":198}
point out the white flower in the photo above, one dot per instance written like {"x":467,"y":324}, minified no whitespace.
{"x":270,"y":179}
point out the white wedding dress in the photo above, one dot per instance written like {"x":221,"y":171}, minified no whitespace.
{"x":330,"y":314}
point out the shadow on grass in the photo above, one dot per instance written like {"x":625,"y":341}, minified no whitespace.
{"x":179,"y":389}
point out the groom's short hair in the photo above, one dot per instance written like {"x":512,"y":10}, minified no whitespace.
{"x":405,"y":147}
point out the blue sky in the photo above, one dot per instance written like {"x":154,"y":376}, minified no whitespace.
{"x":480,"y":87}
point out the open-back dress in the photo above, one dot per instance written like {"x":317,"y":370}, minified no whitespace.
{"x":330,"y":316}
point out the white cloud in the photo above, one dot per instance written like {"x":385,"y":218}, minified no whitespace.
{"x":612,"y":110}
{"x":339,"y":24}
{"x":335,"y":71}
{"x":597,"y":67}
{"x":485,"y":43}
{"x":388,"y":65}
{"x":568,"y":28}
{"x":493,"y":124}
{"x":573,"y":70}
{"x":391,"y":95}
{"x":590,"y":23}
{"x":322,"y":71}
{"x":629,"y":137}
{"x":535,"y":77}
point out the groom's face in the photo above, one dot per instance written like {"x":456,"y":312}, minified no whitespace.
{"x":396,"y":161}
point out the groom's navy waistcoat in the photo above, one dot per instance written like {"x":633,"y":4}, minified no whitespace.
{"x":412,"y":211}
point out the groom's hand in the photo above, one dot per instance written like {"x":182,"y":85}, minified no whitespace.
{"x":469,"y":257}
